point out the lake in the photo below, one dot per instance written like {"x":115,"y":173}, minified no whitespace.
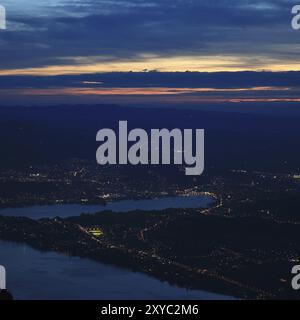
{"x":69,"y":210}
{"x":48,"y":275}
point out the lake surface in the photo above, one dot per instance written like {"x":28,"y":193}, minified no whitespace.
{"x":69,"y":210}
{"x":48,"y":275}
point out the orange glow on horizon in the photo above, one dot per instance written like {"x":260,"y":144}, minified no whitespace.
{"x":172,"y":95}
{"x":85,"y":65}
{"x":138,"y":91}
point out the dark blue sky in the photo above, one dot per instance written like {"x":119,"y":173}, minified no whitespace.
{"x":86,"y":37}
{"x":168,"y":35}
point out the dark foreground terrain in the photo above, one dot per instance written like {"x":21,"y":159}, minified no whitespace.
{"x":244,"y":245}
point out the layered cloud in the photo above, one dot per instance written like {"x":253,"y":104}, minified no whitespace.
{"x":155,"y":88}
{"x":86,"y":36}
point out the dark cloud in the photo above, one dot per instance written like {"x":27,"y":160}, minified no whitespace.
{"x":40,"y":34}
{"x":220,"y":80}
{"x":153,"y":88}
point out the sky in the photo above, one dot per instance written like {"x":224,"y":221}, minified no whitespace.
{"x":84,"y":37}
